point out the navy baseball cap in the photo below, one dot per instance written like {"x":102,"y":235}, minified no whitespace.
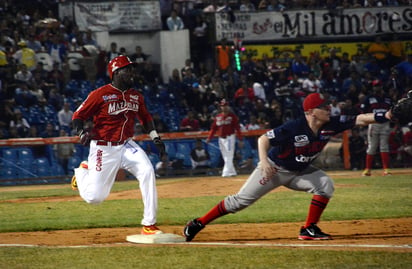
{"x":314,"y":100}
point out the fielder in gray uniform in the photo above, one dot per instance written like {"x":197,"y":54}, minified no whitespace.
{"x":286,"y":154}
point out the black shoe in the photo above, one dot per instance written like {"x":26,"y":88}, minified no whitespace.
{"x":191,"y":229}
{"x":313,"y":232}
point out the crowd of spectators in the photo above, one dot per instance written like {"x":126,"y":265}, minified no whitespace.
{"x":43,"y":79}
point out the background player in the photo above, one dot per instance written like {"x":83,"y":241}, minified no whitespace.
{"x":378,"y":134}
{"x":114,"y":108}
{"x":285,"y":155}
{"x":226,"y":126}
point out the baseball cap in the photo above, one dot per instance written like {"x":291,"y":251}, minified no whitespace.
{"x":117,"y":63}
{"x":314,"y":100}
{"x":224,"y":102}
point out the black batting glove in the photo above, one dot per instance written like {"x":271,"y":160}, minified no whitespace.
{"x":85,"y":138}
{"x":160,"y":146}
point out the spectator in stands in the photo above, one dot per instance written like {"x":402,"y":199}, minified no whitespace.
{"x":112,"y":53}
{"x":49,"y":131}
{"x":39,"y":70}
{"x":244,"y":94}
{"x":33,"y":44}
{"x":298,"y":66}
{"x":188,"y":66}
{"x":20,"y":123}
{"x":57,"y":49}
{"x":405,"y":70}
{"x":25,"y":55}
{"x":244,"y":157}
{"x":161,"y":126}
{"x":200,"y":156}
{"x":357,"y":150}
{"x":56,"y":78}
{"x":224,"y":55}
{"x":139,"y":57}
{"x":174,"y":22}
{"x":150,"y":74}
{"x":189,"y":123}
{"x":6,"y":112}
{"x":23,"y":95}
{"x":64,"y":152}
{"x":379,"y":51}
{"x":88,"y":39}
{"x":311,"y":84}
{"x":396,"y":50}
{"x":23,"y":75}
{"x":246,"y":6}
{"x":65,"y":117}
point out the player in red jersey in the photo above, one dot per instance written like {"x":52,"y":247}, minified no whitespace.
{"x":113,"y":109}
{"x":225,"y":126}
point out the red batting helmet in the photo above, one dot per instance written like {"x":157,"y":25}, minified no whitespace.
{"x":117,"y":63}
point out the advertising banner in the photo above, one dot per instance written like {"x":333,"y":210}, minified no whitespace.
{"x":118,"y":16}
{"x":314,"y":24}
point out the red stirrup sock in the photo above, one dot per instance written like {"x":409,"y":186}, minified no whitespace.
{"x":214,"y":213}
{"x":369,"y":161}
{"x":385,"y":160}
{"x":316,"y":208}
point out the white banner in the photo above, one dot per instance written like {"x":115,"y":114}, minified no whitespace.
{"x":118,"y":16}
{"x":309,"y":24}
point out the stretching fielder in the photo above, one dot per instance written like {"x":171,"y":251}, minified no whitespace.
{"x":114,"y":108}
{"x":285,"y":155}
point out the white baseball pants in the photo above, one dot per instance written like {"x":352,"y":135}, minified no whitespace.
{"x":95,"y":183}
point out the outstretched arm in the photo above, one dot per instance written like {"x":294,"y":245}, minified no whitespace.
{"x":368,"y":118}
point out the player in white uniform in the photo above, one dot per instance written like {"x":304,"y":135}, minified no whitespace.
{"x":114,"y":108}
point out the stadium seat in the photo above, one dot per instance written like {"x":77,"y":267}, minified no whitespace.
{"x":183,"y":150}
{"x":170,"y":149}
{"x":42,"y":167}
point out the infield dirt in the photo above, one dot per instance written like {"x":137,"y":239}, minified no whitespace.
{"x":387,"y":232}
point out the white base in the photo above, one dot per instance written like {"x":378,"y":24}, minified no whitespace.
{"x":155,"y":238}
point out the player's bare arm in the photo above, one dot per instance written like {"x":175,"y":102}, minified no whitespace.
{"x":368,"y":118}
{"x":263,"y":147}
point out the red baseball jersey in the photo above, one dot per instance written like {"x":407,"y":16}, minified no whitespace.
{"x":225,"y":125}
{"x":114,"y":112}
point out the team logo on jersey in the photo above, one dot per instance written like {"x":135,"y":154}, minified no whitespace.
{"x":135,"y":97}
{"x":110,"y":97}
{"x":220,"y":121}
{"x":301,"y":140}
{"x":116,"y":108}
{"x":270,"y":134}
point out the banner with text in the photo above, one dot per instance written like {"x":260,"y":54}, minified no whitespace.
{"x":118,"y":16}
{"x":263,"y":26}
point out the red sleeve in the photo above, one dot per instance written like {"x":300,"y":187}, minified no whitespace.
{"x":213,"y":129}
{"x":88,"y":108}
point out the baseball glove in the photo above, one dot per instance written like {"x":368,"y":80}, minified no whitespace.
{"x":402,"y":110}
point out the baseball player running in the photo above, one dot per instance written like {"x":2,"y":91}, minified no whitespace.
{"x":114,"y":108}
{"x":285,"y":155}
{"x":225,"y":125}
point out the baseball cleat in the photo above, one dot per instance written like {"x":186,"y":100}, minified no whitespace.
{"x":150,"y":230}
{"x":386,"y":172}
{"x":366,"y":173}
{"x":83,"y":165}
{"x":191,"y":229}
{"x":313,"y":232}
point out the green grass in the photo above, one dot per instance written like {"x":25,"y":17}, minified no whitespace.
{"x":197,"y":257}
{"x":355,"y":198}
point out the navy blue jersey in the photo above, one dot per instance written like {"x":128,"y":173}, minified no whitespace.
{"x":295,"y":146}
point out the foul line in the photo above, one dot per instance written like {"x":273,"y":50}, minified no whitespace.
{"x":227,"y":244}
